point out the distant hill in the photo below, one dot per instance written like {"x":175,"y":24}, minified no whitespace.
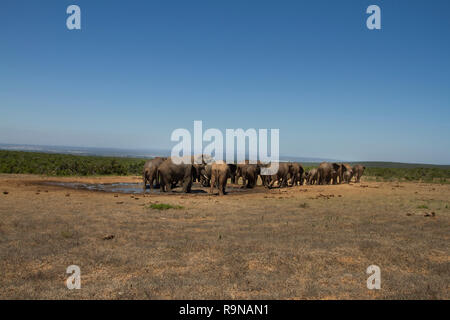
{"x":88,"y":151}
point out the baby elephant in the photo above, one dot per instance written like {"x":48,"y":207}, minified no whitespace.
{"x":347,"y":176}
{"x":220,"y":172}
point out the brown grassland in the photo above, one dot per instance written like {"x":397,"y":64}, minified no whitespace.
{"x":304,"y":242}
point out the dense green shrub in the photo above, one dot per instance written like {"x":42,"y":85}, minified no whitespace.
{"x":65,"y":165}
{"x":407,"y":173}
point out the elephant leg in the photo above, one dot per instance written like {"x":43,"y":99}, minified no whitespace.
{"x":187,"y":184}
{"x":168,"y":184}
{"x":284,"y":181}
{"x":222,"y":183}
{"x":145,"y":182}
{"x":212,"y":183}
{"x":162,"y":185}
{"x":272,"y":181}
{"x":152,"y":180}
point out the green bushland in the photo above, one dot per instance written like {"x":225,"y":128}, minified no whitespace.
{"x":391,"y":171}
{"x":409,"y":174}
{"x":74,"y":165}
{"x":67,"y":165}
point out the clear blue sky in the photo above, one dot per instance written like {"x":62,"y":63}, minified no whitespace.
{"x":140,"y":69}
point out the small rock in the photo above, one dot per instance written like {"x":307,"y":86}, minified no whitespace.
{"x":116,"y":195}
{"x":5,"y":192}
{"x":67,"y":194}
{"x":120,"y":202}
{"x":110,"y":237}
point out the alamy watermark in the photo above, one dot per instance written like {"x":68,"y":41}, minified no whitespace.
{"x":374,"y":281}
{"x":73,"y":22}
{"x":221,"y":150}
{"x":74,"y":280}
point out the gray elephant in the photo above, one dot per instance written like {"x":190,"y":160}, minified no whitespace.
{"x":296,"y":174}
{"x":233,"y":170}
{"x":358,"y":171}
{"x":285,"y":169}
{"x":347,"y":177}
{"x":304,"y":178}
{"x":312,"y":176}
{"x":249,"y":173}
{"x":220,"y":172}
{"x":171,"y":172}
{"x":150,"y":172}
{"x":327,"y":172}
{"x":346,"y":173}
{"x":205,"y":175}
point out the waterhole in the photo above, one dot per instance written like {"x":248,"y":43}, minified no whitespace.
{"x":137,"y":188}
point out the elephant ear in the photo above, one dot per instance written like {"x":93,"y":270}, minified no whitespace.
{"x":233,"y":167}
{"x":336,"y":166}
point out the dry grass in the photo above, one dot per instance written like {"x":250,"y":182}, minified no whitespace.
{"x":307,"y":242}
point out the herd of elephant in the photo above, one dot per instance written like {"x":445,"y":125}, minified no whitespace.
{"x":166,"y":174}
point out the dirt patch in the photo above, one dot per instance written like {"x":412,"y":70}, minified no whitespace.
{"x":257,"y":244}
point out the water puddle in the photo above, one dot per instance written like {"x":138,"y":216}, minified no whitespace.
{"x":136,"y":188}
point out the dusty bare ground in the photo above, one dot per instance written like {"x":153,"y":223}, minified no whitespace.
{"x":306,"y":242}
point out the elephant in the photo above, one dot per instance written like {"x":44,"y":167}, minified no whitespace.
{"x":197,"y":172}
{"x":312,"y":176}
{"x":249,"y":173}
{"x":150,"y":172}
{"x":172,"y":172}
{"x":281,"y":177}
{"x":328,"y":171}
{"x":296,"y":174}
{"x":233,"y":172}
{"x":205,"y":175}
{"x":220,"y":172}
{"x":199,"y":162}
{"x":346,"y":173}
{"x":347,"y":176}
{"x":265,"y":179}
{"x":358,"y":170}
{"x":344,"y":176}
{"x":304,"y":178}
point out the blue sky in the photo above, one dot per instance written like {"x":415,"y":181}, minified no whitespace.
{"x":140,"y":69}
